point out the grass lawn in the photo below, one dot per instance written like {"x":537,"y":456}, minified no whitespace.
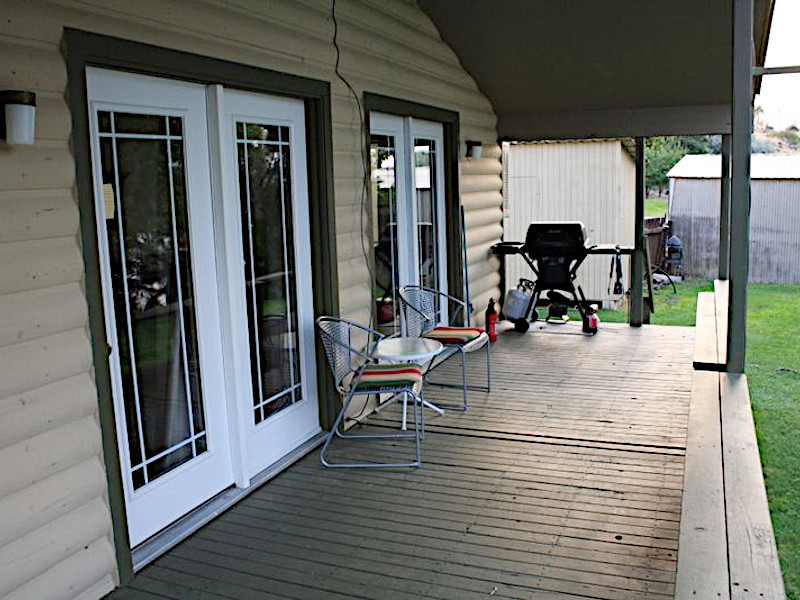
{"x":671,"y":309}
{"x":655,"y":207}
{"x":773,"y":372}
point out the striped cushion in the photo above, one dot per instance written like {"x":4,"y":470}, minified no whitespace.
{"x":453,"y":335}
{"x":379,"y":377}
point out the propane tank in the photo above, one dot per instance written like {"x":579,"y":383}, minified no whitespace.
{"x":491,"y":321}
{"x":517,"y":301}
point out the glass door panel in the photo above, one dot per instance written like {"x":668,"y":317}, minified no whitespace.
{"x":427,"y":212}
{"x":383,"y":159}
{"x":264,"y":158}
{"x":266,"y":204}
{"x":149,"y":242}
{"x":407,"y":209}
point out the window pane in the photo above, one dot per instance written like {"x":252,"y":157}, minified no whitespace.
{"x":268,"y":249}
{"x":427,"y":217}
{"x":384,"y":229}
{"x":148,"y":233}
{"x":140,"y":124}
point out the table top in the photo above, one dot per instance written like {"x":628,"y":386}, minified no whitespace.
{"x":407,"y":349}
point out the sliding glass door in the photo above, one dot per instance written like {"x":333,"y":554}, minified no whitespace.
{"x":201,"y":196}
{"x":408,"y":225}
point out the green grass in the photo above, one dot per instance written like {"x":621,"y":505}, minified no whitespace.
{"x":671,"y":308}
{"x":773,"y":372}
{"x":655,"y":207}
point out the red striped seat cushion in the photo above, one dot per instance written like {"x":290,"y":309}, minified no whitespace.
{"x":377,"y":377}
{"x":453,"y":335}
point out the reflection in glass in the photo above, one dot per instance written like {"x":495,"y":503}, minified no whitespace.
{"x":144,"y":193}
{"x":427,"y":217}
{"x":384,"y":229}
{"x":264,"y":159}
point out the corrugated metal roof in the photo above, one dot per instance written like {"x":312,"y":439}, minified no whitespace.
{"x":762,"y":166}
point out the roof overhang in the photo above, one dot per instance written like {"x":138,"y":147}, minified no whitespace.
{"x":585,"y":68}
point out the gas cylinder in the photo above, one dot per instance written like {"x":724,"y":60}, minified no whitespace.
{"x":516,"y":303}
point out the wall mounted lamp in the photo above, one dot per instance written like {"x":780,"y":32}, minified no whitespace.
{"x":474,"y":149}
{"x":17,"y":119}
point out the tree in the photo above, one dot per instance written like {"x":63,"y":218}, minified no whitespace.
{"x":661,"y":154}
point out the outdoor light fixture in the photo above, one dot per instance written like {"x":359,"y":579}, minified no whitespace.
{"x":474,"y":149}
{"x":17,"y":120}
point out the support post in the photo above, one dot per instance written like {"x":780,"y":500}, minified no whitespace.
{"x":638,"y":258}
{"x":741,"y":131}
{"x":725,"y":209}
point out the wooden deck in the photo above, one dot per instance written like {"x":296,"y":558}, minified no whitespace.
{"x":564,"y":482}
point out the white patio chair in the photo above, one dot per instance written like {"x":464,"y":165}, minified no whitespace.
{"x":423,"y":309}
{"x":348,"y":348}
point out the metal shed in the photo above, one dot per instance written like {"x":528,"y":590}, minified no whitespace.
{"x":593,"y":181}
{"x":774,"y":216}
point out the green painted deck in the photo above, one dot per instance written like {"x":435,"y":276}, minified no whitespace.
{"x":564,"y":482}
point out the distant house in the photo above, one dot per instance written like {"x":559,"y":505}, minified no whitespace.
{"x":774,"y":217}
{"x":593,"y":181}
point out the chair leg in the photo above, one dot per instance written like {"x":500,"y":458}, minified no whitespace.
{"x":465,"y":386}
{"x":419,"y":425}
{"x":368,"y":436}
{"x":488,"y":367}
{"x":334,"y":432}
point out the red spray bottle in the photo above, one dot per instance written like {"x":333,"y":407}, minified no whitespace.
{"x":491,"y":321}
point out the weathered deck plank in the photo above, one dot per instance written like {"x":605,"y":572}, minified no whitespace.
{"x":564,"y":482}
{"x":754,"y":568}
{"x":703,"y":550}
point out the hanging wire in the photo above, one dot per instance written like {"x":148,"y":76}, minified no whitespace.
{"x":363,"y":136}
{"x":365,"y":163}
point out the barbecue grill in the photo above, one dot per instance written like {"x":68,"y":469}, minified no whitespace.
{"x":554,"y":251}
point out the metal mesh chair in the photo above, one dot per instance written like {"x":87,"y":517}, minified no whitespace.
{"x":423,"y":309}
{"x":348,"y":348}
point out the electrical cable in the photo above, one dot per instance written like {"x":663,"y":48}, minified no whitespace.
{"x":363,"y":133}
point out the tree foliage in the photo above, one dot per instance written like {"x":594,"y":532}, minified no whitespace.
{"x":661,"y":154}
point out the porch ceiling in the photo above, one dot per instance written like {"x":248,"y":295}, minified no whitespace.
{"x":583,"y":69}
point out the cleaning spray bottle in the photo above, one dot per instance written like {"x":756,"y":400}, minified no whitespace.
{"x":491,"y":321}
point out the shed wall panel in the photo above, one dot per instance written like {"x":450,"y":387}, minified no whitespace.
{"x":774,"y":228}
{"x":387,"y":48}
{"x":567,"y":181}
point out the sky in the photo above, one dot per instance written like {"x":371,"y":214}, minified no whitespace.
{"x":780,"y":94}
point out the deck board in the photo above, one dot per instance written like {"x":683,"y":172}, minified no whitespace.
{"x":564,"y":482}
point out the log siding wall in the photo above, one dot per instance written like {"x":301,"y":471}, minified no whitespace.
{"x":55,"y":534}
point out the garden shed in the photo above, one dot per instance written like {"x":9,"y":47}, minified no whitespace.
{"x":592,"y":181}
{"x":694,"y":185}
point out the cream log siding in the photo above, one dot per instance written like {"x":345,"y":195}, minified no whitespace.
{"x":589,"y":181}
{"x":55,"y":532}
